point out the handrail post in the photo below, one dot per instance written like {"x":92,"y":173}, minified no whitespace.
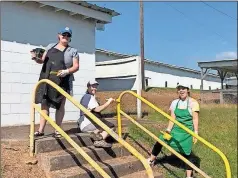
{"x":209,"y":145}
{"x":32,"y":129}
{"x":94,"y":118}
{"x":119,"y":117}
{"x":32,"y":124}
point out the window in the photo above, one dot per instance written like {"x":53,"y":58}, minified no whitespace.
{"x":191,"y":86}
{"x":166,"y":84}
{"x":177,"y":83}
{"x":209,"y":87}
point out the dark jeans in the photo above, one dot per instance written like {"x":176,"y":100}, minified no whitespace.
{"x":158,"y":147}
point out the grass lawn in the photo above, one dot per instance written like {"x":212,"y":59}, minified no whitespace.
{"x":218,"y":125}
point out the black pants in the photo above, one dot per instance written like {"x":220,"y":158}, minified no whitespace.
{"x":99,"y":116}
{"x":158,"y":147}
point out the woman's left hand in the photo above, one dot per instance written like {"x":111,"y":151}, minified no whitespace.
{"x":63,"y":73}
{"x":195,"y":140}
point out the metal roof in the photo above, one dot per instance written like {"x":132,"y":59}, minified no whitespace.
{"x":229,"y":65}
{"x":96,"y":7}
{"x":115,"y":53}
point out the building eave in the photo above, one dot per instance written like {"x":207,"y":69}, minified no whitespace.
{"x":97,"y":8}
{"x":84,"y":9}
{"x":115,"y":53}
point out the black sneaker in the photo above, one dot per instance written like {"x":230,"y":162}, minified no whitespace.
{"x":57,"y":134}
{"x":38,"y":134}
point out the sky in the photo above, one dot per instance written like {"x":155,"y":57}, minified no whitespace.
{"x":177,"y":33}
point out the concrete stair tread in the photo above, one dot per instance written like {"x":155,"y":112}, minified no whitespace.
{"x":126,"y":162}
{"x":50,"y":137}
{"x":48,"y":143}
{"x":142,"y":174}
{"x":63,"y":159}
{"x":74,"y":151}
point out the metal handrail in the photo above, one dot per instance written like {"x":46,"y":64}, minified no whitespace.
{"x":94,"y":118}
{"x":119,"y":112}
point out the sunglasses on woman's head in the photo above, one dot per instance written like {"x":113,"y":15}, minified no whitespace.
{"x":181,"y":88}
{"x":66,"y":34}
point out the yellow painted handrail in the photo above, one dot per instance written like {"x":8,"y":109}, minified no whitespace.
{"x":119,"y":112}
{"x":75,"y":145}
{"x":94,"y":118}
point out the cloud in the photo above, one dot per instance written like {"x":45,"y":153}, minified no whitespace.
{"x":227,"y":55}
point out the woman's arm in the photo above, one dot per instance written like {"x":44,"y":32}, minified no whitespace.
{"x":171,"y":108}
{"x":104,"y":106}
{"x":171,"y":124}
{"x":75,"y":66}
{"x":195,"y":121}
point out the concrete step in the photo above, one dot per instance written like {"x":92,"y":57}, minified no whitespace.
{"x":115,"y":167}
{"x":49,"y":143}
{"x":142,"y":174}
{"x":63,"y":159}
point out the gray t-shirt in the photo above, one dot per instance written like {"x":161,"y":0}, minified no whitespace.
{"x":69,"y":54}
{"x":89,"y":102}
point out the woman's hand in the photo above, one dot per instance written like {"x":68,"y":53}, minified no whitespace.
{"x":63,"y":73}
{"x":37,"y":55}
{"x":168,"y":131}
{"x":33,"y":55}
{"x":110,"y":100}
{"x":195,"y":139}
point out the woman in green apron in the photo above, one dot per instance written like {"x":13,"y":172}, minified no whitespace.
{"x":185,"y":110}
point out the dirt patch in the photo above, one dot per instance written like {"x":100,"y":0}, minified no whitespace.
{"x":16,"y":162}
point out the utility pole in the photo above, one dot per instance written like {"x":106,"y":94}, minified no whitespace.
{"x":142,"y":44}
{"x":140,"y":76}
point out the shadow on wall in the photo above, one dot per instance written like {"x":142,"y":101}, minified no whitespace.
{"x":27,"y":23}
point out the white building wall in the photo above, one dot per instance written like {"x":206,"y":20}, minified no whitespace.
{"x":24,"y":27}
{"x":231,"y":81}
{"x":158,"y":75}
{"x":117,"y":68}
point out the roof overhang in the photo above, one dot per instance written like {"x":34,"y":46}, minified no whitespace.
{"x":116,"y":61}
{"x":111,"y":53}
{"x":96,"y":7}
{"x":80,"y":8}
{"x":224,"y":65}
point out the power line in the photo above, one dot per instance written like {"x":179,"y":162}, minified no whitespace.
{"x":218,"y":10}
{"x":194,"y":20}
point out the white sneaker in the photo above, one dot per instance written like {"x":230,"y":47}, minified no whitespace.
{"x":151,"y":163}
{"x":102,"y":144}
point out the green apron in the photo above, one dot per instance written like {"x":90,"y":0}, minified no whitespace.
{"x":181,"y":141}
